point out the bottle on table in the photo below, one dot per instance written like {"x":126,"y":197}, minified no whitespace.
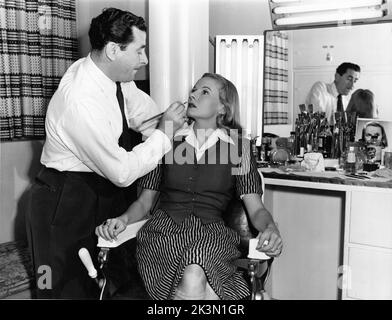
{"x":291,"y":144}
{"x":325,"y":139}
{"x":350,"y":165}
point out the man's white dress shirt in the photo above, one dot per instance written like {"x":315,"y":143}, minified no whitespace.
{"x":84,"y":122}
{"x":324,"y":97}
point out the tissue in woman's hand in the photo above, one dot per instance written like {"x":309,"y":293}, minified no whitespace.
{"x":255,"y":254}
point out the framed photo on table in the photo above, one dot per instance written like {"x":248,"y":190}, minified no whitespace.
{"x":364,"y":122}
{"x":377,"y":134}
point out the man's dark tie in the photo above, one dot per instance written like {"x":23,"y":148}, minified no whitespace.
{"x":121,"y":269}
{"x":125,"y":139}
{"x":339,"y":107}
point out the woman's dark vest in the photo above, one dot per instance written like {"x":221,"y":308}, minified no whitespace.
{"x":202,"y":188}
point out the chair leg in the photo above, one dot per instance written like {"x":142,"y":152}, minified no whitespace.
{"x":258,"y":274}
{"x":103,"y":258}
{"x":251,"y":273}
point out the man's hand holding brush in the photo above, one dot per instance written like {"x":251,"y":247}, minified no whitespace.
{"x":172,"y":119}
{"x":169,"y":121}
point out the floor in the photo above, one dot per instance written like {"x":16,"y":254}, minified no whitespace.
{"x":24,"y":295}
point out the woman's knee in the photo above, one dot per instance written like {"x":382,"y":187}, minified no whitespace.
{"x":194,"y":278}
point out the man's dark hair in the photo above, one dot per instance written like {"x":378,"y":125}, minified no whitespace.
{"x":347,"y":65}
{"x":114,"y":25}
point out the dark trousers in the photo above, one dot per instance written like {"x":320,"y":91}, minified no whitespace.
{"x":64,"y":210}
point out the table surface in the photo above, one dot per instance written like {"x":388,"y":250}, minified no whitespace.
{"x":329,"y":177}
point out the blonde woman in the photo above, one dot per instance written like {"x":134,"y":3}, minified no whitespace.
{"x":185,"y":250}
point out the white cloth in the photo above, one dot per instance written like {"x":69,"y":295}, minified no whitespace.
{"x":84,"y":122}
{"x":324,"y":97}
{"x":212,"y":139}
{"x":313,"y":161}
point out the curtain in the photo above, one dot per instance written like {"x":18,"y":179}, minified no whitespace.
{"x":276,"y":79}
{"x":38,"y":43}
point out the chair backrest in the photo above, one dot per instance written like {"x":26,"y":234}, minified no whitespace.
{"x":237,"y":219}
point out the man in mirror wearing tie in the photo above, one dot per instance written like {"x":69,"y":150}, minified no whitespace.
{"x":333,"y":97}
{"x":90,"y":157}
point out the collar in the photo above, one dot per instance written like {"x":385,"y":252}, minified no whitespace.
{"x":334,"y":90}
{"x":189,"y":133}
{"x":106,"y":84}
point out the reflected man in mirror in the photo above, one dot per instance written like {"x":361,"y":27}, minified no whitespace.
{"x":332,"y":97}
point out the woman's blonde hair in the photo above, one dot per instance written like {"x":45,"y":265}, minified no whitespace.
{"x":228,"y":96}
{"x":362,"y":103}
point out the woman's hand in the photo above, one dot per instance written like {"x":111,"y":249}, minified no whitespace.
{"x":111,"y":228}
{"x":270,"y":242}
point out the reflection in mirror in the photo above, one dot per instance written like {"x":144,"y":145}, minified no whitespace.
{"x":296,"y":59}
{"x":383,"y":136}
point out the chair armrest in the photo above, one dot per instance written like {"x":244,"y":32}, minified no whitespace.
{"x":129,"y":233}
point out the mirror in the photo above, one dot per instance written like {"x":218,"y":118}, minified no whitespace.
{"x":296,"y":59}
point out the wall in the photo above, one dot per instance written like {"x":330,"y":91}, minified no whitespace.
{"x":88,"y":9}
{"x":232,"y":17}
{"x":19,"y":163}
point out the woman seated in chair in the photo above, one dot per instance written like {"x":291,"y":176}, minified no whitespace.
{"x":185,"y":250}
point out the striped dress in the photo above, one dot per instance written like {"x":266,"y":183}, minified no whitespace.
{"x":169,"y":242}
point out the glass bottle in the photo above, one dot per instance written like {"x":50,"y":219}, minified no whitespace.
{"x":266,"y":141}
{"x":350,"y":166}
{"x":361,"y":156}
{"x":325,"y":139}
{"x":291,"y":144}
{"x":297,"y":140}
{"x":328,"y":142}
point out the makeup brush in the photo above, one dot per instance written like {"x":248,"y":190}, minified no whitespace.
{"x":158,"y":116}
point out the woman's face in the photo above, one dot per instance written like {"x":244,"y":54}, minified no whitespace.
{"x":203,"y":102}
{"x":373,"y":135}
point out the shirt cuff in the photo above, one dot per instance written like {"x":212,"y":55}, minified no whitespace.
{"x":159,"y":138}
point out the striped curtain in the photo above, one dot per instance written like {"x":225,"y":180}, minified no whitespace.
{"x":38,"y":43}
{"x":276,"y":79}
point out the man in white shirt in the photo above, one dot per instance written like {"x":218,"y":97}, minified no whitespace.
{"x":325,"y":96}
{"x":88,"y":155}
